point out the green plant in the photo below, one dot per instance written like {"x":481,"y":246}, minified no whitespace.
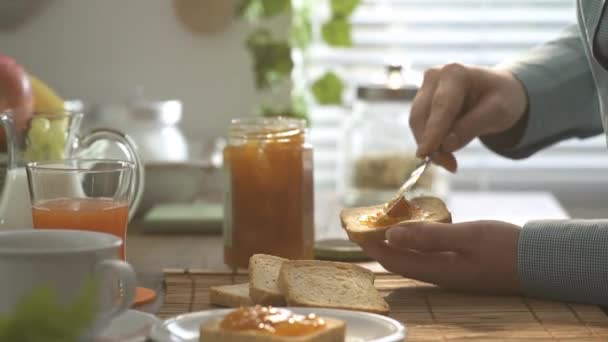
{"x":40,"y":317}
{"x":328,"y":89}
{"x":272,"y":57}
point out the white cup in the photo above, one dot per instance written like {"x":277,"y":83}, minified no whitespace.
{"x":65,"y":261}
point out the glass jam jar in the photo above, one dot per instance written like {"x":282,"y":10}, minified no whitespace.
{"x":377,"y":150}
{"x":269,"y":192}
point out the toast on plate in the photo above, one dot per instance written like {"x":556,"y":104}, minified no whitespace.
{"x":331,"y":330}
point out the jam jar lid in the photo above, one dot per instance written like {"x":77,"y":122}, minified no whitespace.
{"x":393,"y":88}
{"x":167,"y":112}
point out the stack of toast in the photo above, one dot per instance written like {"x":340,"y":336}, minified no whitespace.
{"x":274,"y":281}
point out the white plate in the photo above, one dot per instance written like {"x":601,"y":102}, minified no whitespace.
{"x":131,"y":326}
{"x":360,"y":326}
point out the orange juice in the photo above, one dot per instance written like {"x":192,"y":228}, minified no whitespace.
{"x":97,"y":214}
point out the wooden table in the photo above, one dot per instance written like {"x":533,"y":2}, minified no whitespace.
{"x":151,"y":253}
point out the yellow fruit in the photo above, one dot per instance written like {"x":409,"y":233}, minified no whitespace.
{"x":45,"y":99}
{"x":45,"y":139}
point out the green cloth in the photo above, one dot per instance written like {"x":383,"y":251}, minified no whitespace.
{"x":184,"y":218}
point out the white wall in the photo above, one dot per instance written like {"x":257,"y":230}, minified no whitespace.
{"x":99,"y":50}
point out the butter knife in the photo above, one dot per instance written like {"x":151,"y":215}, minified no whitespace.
{"x":411,"y":180}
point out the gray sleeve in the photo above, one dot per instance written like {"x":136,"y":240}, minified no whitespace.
{"x":565,"y":260}
{"x":562,"y":97}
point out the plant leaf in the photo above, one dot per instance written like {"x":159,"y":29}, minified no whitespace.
{"x":344,"y":8}
{"x":336,"y":32}
{"x":257,"y":38}
{"x":253,"y":10}
{"x":272,"y":60}
{"x":289,"y":112}
{"x":53,"y":322}
{"x":327,"y":90}
{"x":301,"y":29}
{"x":297,"y":109}
{"x":82,"y":311}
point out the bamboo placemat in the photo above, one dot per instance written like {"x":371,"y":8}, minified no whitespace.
{"x":430,"y":313}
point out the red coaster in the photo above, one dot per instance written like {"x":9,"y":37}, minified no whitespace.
{"x":144,"y":296}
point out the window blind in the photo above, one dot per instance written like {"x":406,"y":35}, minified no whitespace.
{"x":425,"y":33}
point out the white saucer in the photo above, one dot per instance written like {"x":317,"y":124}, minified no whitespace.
{"x":360,"y":326}
{"x":131,"y":326}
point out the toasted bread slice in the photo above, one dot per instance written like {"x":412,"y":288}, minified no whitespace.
{"x":335,"y":331}
{"x":326,"y":284}
{"x":232,"y":296}
{"x":432,"y":209}
{"x":263,"y":274}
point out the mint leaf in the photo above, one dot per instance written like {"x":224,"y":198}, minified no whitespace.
{"x":254,"y":10}
{"x":327,"y":90}
{"x":344,"y":8}
{"x":337,"y":32}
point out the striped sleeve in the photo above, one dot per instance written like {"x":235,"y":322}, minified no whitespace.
{"x":562,"y":98}
{"x":565,"y":260}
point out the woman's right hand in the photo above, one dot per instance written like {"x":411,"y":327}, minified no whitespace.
{"x":458,"y":103}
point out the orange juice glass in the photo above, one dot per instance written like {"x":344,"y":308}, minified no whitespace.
{"x":96,"y":214}
{"x":82,"y":194}
{"x":87,"y":194}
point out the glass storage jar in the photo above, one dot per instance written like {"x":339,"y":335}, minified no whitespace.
{"x":154,"y":125}
{"x":269,"y":192}
{"x":377,"y":148}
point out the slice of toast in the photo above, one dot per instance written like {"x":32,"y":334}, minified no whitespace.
{"x":431,"y":209}
{"x":263,"y":274}
{"x":232,"y":296}
{"x":335,"y":331}
{"x":326,"y":284}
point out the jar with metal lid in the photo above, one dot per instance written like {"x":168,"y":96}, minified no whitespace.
{"x":154,"y":127}
{"x":152,"y":124}
{"x":269,"y":190}
{"x":377,"y":147}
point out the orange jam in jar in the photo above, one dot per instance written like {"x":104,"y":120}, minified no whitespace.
{"x":269,"y":191}
{"x":269,"y":320}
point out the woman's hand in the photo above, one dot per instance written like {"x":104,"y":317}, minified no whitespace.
{"x":478,"y":256}
{"x":458,"y":103}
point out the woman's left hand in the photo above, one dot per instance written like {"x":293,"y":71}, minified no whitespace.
{"x":478,"y":256}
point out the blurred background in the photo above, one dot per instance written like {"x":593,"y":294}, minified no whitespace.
{"x":220,"y":59}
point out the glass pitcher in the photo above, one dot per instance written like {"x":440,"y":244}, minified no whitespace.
{"x":52,"y":135}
